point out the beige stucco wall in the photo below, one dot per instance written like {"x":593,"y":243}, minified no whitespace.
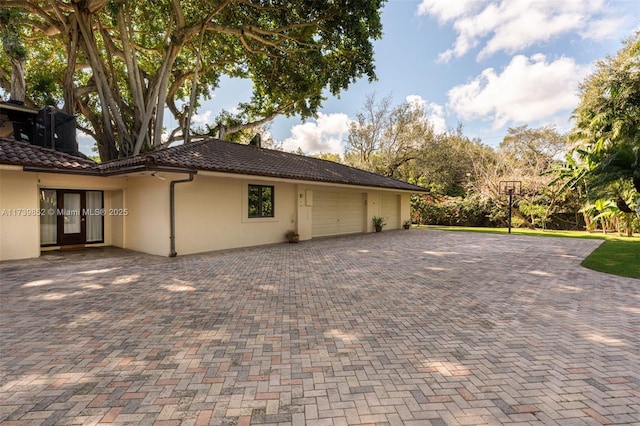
{"x":112,"y":187}
{"x":70,"y":181}
{"x":405,"y":207}
{"x":373,"y":206}
{"x":211,"y":211}
{"x":304,"y":211}
{"x":211,"y":214}
{"x":20,"y":233}
{"x":114,"y":225}
{"x":19,"y":220}
{"x":146,"y":224}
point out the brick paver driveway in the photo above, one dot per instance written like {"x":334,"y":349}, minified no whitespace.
{"x":404,"y":327}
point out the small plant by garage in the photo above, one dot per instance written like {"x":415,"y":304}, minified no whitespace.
{"x":292,"y":236}
{"x":378,"y":223}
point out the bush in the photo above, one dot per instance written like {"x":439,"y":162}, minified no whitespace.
{"x":473,"y":210}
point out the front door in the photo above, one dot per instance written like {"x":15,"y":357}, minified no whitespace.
{"x":72,"y":225}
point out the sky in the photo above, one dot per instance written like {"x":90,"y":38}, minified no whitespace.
{"x":486,"y":64}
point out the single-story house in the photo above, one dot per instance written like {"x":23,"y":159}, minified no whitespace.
{"x":202,"y":196}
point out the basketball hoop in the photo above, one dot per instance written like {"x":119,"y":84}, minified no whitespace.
{"x":510,"y":188}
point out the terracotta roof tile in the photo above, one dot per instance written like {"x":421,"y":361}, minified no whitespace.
{"x":17,"y":153}
{"x":207,"y":155}
{"x":228,"y":157}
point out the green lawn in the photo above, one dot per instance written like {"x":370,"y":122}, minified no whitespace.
{"x":617,"y":255}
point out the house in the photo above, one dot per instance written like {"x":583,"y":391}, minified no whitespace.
{"x":202,"y":196}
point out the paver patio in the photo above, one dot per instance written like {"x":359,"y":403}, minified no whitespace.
{"x":404,"y":327}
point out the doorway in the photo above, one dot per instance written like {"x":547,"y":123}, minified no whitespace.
{"x":71,"y":217}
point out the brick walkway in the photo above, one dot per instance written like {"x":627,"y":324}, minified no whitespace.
{"x":404,"y":327}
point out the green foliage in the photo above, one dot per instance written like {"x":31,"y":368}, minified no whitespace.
{"x":378,"y":221}
{"x":399,"y":141}
{"x":448,"y":164}
{"x":386,"y":139}
{"x":461,"y":174}
{"x":607,"y":129}
{"x":328,"y":156}
{"x":473,"y":210}
{"x":11,"y":35}
{"x":121,"y":64}
{"x":537,"y":213}
{"x":535,"y":149}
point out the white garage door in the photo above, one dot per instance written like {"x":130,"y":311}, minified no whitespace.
{"x":336,"y":213}
{"x":390,"y":210}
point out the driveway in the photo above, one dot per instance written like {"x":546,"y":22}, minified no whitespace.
{"x":403,"y":327}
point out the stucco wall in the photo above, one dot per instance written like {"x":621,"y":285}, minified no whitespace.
{"x":405,"y":207}
{"x":211,"y":211}
{"x":374,"y":207}
{"x":19,"y":221}
{"x":146,"y":224}
{"x":114,"y":222}
{"x":112,"y":188}
{"x":212,"y":214}
{"x":304,"y":211}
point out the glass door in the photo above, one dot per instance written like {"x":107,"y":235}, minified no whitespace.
{"x":71,"y":217}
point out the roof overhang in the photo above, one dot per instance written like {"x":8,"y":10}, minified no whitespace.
{"x":17,"y":107}
{"x":302,"y":181}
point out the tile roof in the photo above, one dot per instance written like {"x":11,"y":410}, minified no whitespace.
{"x":17,"y":153}
{"x":206,"y":155}
{"x":228,"y":157}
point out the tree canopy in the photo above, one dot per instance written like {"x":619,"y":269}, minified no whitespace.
{"x":120,"y":63}
{"x":607,"y":128}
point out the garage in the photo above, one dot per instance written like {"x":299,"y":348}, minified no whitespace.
{"x":390,"y":210}
{"x":336,"y":213}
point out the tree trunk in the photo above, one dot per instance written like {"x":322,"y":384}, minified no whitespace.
{"x":628,"y":219}
{"x":18,"y":86}
{"x":72,"y":57}
{"x":587,"y":221}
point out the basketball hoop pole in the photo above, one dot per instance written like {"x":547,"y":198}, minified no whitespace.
{"x":511,"y":188}
{"x":510,"y":205}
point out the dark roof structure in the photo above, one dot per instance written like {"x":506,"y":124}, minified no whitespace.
{"x":207,"y":155}
{"x":17,"y":153}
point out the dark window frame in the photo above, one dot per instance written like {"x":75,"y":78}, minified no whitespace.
{"x":261,"y":202}
{"x":60,"y":226}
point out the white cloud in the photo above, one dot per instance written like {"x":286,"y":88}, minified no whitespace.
{"x":528,"y":89}
{"x":433,"y":111}
{"x":324,"y":134}
{"x":512,"y":25}
{"x":445,"y":10}
{"x":204,"y":118}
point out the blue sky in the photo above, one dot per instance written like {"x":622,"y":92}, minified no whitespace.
{"x":487,"y":64}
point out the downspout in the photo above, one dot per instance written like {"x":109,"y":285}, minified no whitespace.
{"x":172,"y":212}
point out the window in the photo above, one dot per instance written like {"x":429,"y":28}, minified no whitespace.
{"x":260,"y":201}
{"x":95,"y":217}
{"x":48,"y":220}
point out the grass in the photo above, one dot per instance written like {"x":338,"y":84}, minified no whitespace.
{"x":617,"y":255}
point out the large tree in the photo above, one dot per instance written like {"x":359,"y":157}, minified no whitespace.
{"x":607,"y":128}
{"x":121,"y":63}
{"x":384,"y":138}
{"x":15,"y":52}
